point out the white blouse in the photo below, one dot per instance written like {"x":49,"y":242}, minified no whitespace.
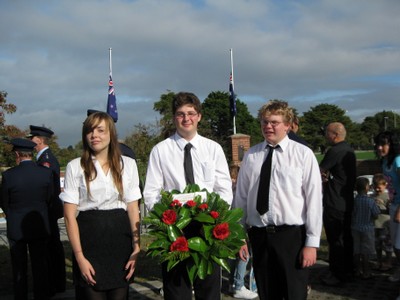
{"x":104,"y":194}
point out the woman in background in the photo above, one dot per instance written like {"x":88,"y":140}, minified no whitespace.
{"x":387,"y":146}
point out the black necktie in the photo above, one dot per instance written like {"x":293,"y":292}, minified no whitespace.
{"x":263,"y":187}
{"x":188,"y":165}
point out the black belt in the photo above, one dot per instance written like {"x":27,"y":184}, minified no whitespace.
{"x":274,"y":228}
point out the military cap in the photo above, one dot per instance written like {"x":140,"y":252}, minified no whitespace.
{"x":126,"y":151}
{"x":92,"y":111}
{"x":20,"y":144}
{"x":40,"y":131}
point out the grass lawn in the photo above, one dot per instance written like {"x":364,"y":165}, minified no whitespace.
{"x":360,"y":155}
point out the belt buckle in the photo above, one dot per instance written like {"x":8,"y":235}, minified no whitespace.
{"x":270,"y":229}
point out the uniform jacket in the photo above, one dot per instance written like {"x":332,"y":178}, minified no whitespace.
{"x":48,"y":160}
{"x":26,"y":193}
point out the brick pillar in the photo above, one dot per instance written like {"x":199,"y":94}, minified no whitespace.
{"x":240,"y":144}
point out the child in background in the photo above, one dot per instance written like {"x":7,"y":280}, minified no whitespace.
{"x":382,"y":223}
{"x":362,"y":225}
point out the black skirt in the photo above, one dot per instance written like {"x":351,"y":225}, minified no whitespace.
{"x":106,"y":242}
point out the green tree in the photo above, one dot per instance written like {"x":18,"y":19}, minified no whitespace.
{"x":142,"y":140}
{"x":317,"y":118}
{"x":164,"y":107}
{"x":217,"y":122}
{"x":7,"y":131}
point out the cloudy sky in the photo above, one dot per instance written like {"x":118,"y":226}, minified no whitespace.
{"x":54,"y":58}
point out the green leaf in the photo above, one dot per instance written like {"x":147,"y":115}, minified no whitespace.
{"x":171,"y":264}
{"x":191,"y":188}
{"x":184,"y":212}
{"x":208,"y":233}
{"x":191,"y":269}
{"x":182,"y":223}
{"x":196,"y":258}
{"x":159,"y":208}
{"x":204,"y":218}
{"x":203,"y":268}
{"x":234,"y":215}
{"x":198,"y":244}
{"x":174,"y":232}
{"x":237,"y":231}
{"x":164,"y":244}
{"x":222,"y":262}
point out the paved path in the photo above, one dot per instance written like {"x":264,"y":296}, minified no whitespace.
{"x":378,"y":288}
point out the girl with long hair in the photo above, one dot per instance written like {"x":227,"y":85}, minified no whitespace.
{"x":101,"y":213}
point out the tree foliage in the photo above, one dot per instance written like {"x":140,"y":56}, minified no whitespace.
{"x":142,"y":140}
{"x":314,"y":121}
{"x":217,"y":123}
{"x":164,"y":107}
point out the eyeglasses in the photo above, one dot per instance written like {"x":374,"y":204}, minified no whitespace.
{"x":190,"y":115}
{"x":272,"y":123}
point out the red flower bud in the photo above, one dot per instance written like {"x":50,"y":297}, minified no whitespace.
{"x":176,"y":203}
{"x":191,"y":203}
{"x":203,"y":206}
{"x":221,"y":231}
{"x":180,"y":244}
{"x":169,"y":217}
{"x":214,"y":214}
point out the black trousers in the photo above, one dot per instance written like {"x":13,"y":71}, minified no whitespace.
{"x":337,"y":226}
{"x":276,"y":264}
{"x":56,"y":258}
{"x":177,"y":286}
{"x":19,"y":260}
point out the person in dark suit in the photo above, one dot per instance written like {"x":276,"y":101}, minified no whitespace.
{"x":45,"y":158}
{"x":26,"y":193}
{"x":292,"y":134}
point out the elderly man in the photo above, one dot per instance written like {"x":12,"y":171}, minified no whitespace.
{"x":338,"y":170}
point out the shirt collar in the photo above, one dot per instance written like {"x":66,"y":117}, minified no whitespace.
{"x":283,"y":144}
{"x":182,"y":142}
{"x":41,"y":152}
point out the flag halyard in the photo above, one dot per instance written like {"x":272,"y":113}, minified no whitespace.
{"x":232,"y":96}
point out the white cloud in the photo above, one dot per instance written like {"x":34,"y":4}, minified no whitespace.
{"x":54,"y":55}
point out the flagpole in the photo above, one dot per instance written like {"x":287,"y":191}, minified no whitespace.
{"x":233,"y":88}
{"x":110,"y":49}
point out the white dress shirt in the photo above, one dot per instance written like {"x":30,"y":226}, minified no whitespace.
{"x":165,"y":168}
{"x":295,"y":196}
{"x":104,"y":194}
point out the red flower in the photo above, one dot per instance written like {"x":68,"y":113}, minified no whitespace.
{"x":221,"y":231}
{"x":203,"y":206}
{"x":175,"y":203}
{"x":169,"y":217}
{"x":180,"y":244}
{"x":214,"y":214}
{"x":191,"y":203}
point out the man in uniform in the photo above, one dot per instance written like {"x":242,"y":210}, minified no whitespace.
{"x":41,"y":136}
{"x":26,"y":193}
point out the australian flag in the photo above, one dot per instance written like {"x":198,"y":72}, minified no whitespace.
{"x":232,"y":97}
{"x":112,"y":101}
